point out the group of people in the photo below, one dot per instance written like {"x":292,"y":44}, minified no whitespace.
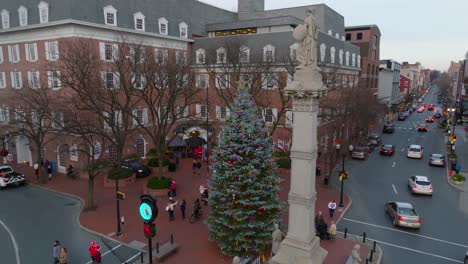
{"x":171,"y":204}
{"x":60,"y":254}
{"x":47,"y":165}
{"x":322,"y":229}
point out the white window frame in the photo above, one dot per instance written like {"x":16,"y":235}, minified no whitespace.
{"x":53,"y":80}
{"x":110,"y":10}
{"x":2,"y":80}
{"x":221,"y":59}
{"x":289,"y":118}
{"x":4,"y":114}
{"x":183,"y":30}
{"x":5,"y":19}
{"x":51,"y":50}
{"x":199,"y":112}
{"x":161,"y":59}
{"x":267,"y":79}
{"x":106,"y":81}
{"x":104,"y":52}
{"x":13,"y":53}
{"x":201,"y":80}
{"x":269,"y":48}
{"x":220,"y":79}
{"x":34,"y":79}
{"x":163,"y":21}
{"x":138,"y":84}
{"x":23,"y":16}
{"x":1,"y":54}
{"x":199,"y":52}
{"x":274,"y":115}
{"x":139,"y":16}
{"x":323,"y":52}
{"x":244,"y":54}
{"x":141,"y":54}
{"x":293,"y":51}
{"x":181,"y":57}
{"x":140,"y":116}
{"x":116,"y":119}
{"x":30,"y":50}
{"x":16,"y":80}
{"x":74,"y":152}
{"x":347,"y":58}
{"x":219,"y":112}
{"x":58,"y":120}
{"x":182,"y":111}
{"x":43,"y":12}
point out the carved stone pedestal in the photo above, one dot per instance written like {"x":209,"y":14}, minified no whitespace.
{"x":296,"y":252}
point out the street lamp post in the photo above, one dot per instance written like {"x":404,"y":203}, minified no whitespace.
{"x":342,"y":183}
{"x":119,"y":229}
{"x":337,"y":147}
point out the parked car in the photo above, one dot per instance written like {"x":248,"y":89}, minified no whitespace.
{"x":422,"y":128}
{"x":388,"y":128}
{"x":437,"y":115}
{"x":8,"y":177}
{"x":359,"y":152}
{"x":402,"y":117}
{"x":430,"y":119}
{"x":137,"y":167}
{"x":420,"y":184}
{"x":403,"y":214}
{"x":387,"y":150}
{"x":431,"y":107}
{"x":375,"y":140}
{"x":415,"y":151}
{"x":437,"y":160}
{"x":421,"y":109}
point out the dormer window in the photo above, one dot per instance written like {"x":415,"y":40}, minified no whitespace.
{"x":23,"y":16}
{"x":221,"y":55}
{"x":110,"y":15}
{"x":139,"y":20}
{"x":183,"y":29}
{"x":244,"y":54}
{"x":269,"y":53}
{"x":163,"y":28}
{"x":43,"y":12}
{"x":200,"y":54}
{"x":5,"y":19}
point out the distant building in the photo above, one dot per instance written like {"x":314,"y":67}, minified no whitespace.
{"x":456,"y":80}
{"x":389,"y":87}
{"x":367,"y":38}
{"x":405,"y":85}
{"x":413,"y":72}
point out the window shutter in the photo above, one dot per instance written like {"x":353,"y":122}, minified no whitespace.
{"x":218,"y":112}
{"x":289,"y":119}
{"x":102,"y":50}
{"x":116,"y":81}
{"x":228,"y":112}
{"x":1,"y":54}
{"x":264,"y":81}
{"x":47,"y":50}
{"x":115,"y":51}
{"x":198,"y":110}
{"x":106,"y":118}
{"x":135,"y":117}
{"x":103,"y":78}
{"x":145,"y":116}
{"x":36,"y":55}
{"x":12,"y":75}
{"x":38,"y":79}
{"x":118,"y":118}
{"x":18,"y":57}
{"x":9,"y":54}
{"x":275,"y":114}
{"x":59,"y":81}
{"x":26,"y":51}
{"x":49,"y":79}
{"x":56,"y":50}
{"x":30,"y":79}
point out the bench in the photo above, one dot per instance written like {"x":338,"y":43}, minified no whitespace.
{"x":165,"y":250}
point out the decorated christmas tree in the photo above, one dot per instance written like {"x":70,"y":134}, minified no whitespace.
{"x":244,"y":187}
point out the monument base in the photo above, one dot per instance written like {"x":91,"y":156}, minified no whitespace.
{"x":295,"y":252}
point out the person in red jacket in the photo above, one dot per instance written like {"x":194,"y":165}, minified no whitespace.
{"x":94,"y":251}
{"x":174,"y":188}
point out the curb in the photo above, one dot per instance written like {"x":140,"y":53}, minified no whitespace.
{"x":346,"y":208}
{"x":81,"y":210}
{"x":447,"y":176}
{"x":379,"y":259}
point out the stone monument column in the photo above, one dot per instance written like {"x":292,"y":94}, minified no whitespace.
{"x":301,"y":246}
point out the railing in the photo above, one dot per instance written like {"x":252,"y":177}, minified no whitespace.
{"x":374,"y":251}
{"x":254,"y":260}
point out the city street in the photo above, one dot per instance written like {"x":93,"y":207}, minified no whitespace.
{"x":32,"y":218}
{"x":443,"y":237}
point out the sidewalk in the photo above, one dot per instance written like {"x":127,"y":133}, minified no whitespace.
{"x":461,"y":149}
{"x":192,"y":238}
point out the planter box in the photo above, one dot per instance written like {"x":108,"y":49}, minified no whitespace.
{"x":157,"y":193}
{"x":457,"y":182}
{"x":108,"y":183}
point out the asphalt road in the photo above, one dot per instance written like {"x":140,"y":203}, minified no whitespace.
{"x":443,"y":237}
{"x":32,"y":218}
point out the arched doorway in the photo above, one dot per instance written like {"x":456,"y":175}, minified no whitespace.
{"x":141,"y":148}
{"x":63,"y":156}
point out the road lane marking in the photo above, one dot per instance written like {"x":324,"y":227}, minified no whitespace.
{"x":407,"y":248}
{"x":132,"y":258}
{"x":394,"y":163}
{"x":394,"y":189}
{"x":13,"y":240}
{"x":402,"y":149}
{"x":107,"y":252}
{"x":408,"y":233}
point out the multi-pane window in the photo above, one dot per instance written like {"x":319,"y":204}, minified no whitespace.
{"x":108,"y":51}
{"x":13,"y":51}
{"x":221,"y":55}
{"x":113,"y":153}
{"x":2,"y":80}
{"x":43,"y":12}
{"x":161,"y":56}
{"x":138,"y":81}
{"x":268,"y":115}
{"x":4,"y":114}
{"x":201,"y":80}
{"x":139,"y":23}
{"x":244,"y":55}
{"x":181,"y":57}
{"x":203,"y":111}
{"x":162,"y":26}
{"x":222,"y":81}
{"x":112,"y":119}
{"x":183,"y":30}
{"x":16,"y":80}
{"x":359,"y":36}
{"x":140,"y":116}
{"x":110,"y":15}
{"x":54,"y":79}
{"x":139,"y":20}
{"x":23,"y":16}
{"x":33,"y":78}
{"x":137,"y":54}
{"x":140,"y":146}
{"x":57,"y":120}
{"x":200,"y":58}
{"x":52,"y":50}
{"x":110,"y":18}
{"x":109,"y":80}
{"x":5,"y":19}
{"x":270,"y":81}
{"x":30,"y":49}
{"x":348,"y":36}
{"x":222,"y":112}
{"x":182,"y":111}
{"x":268,"y":53}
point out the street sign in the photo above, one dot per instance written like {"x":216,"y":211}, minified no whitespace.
{"x":120,"y":196}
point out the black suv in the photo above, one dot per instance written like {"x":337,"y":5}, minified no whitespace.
{"x":137,"y":167}
{"x":388,"y":128}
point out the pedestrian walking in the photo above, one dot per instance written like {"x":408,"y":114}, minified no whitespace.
{"x":183,"y":205}
{"x":93,"y":251}
{"x":331,"y":208}
{"x":63,"y":259}
{"x":49,"y":169}
{"x":56,"y":251}
{"x":194,"y":166}
{"x":173,"y":188}
{"x":170,"y":208}
{"x":332,"y":230}
{"x":199,"y":165}
{"x":36,"y":171}
{"x":318,"y":217}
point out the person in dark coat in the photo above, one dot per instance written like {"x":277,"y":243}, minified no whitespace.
{"x":183,"y":205}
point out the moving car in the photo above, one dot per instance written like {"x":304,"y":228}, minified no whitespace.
{"x":431,"y":107}
{"x":430,"y":119}
{"x":10,"y":178}
{"x":387,"y":150}
{"x":375,"y":140}
{"x":437,"y":160}
{"x":402,"y":117}
{"x":388,"y":128}
{"x":403,"y":214}
{"x":359,"y":152}
{"x":421,"y":109}
{"x":420,"y":184}
{"x":422,"y":128}
{"x":137,"y":167}
{"x":437,"y":115}
{"x":415,"y":151}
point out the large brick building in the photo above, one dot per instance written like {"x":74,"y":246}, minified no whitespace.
{"x":32,"y":34}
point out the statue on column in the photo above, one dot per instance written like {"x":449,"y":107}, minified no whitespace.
{"x":356,"y":255}
{"x":236,"y":260}
{"x":276,"y":237}
{"x":307,"y":34}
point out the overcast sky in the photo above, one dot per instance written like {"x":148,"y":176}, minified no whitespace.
{"x":429,"y":31}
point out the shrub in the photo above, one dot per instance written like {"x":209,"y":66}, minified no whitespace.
{"x":458,"y":177}
{"x":158,"y":183}
{"x":132,"y":157}
{"x":279,"y":154}
{"x":119,"y":173}
{"x":100,"y":164}
{"x":452,"y":156}
{"x":154,"y":162}
{"x":153,"y":152}
{"x":284,"y":163}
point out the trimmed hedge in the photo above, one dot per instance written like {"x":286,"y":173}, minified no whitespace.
{"x":154,"y":162}
{"x":284,"y":163}
{"x":158,"y":183}
{"x":458,"y":177}
{"x":119,"y":173}
{"x":452,"y":156}
{"x":100,"y":164}
{"x":279,"y":154}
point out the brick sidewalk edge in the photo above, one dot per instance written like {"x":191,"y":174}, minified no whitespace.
{"x":78,"y":217}
{"x":447,"y":175}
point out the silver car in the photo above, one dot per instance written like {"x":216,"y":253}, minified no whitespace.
{"x":437,"y":160}
{"x":359,"y":153}
{"x":403,"y":214}
{"x":420,"y":185}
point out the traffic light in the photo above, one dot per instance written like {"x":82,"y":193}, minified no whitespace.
{"x":149,"y":230}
